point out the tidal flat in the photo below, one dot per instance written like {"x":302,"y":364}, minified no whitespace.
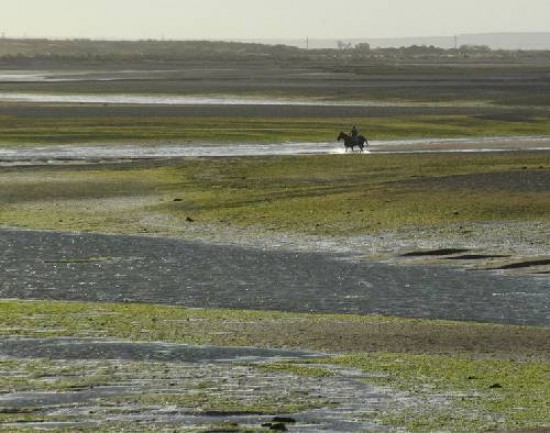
{"x":492,"y":205}
{"x":127,"y":366}
{"x":325,"y":372}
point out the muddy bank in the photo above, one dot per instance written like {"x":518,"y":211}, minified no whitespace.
{"x":92,"y":267}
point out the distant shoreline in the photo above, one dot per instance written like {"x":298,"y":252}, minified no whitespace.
{"x":495,"y":41}
{"x":510,"y":41}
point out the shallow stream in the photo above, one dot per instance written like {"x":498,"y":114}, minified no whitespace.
{"x":93,"y":267}
{"x":71,"y":154}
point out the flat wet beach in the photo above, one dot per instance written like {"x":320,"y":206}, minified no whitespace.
{"x":115,"y":268}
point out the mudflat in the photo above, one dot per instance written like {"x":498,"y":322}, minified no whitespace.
{"x":92,"y":267}
{"x":103,"y":258}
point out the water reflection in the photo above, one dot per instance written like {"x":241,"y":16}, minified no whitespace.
{"x":64,"y":154}
{"x":47,"y":265}
{"x":173,"y":99}
{"x":67,"y":153}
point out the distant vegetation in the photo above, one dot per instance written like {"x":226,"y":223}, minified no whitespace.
{"x":85,"y":49}
{"x":155,"y":50}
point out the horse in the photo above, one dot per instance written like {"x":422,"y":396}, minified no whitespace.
{"x":350,"y":142}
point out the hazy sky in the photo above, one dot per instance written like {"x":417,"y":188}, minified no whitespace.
{"x":255,"y":19}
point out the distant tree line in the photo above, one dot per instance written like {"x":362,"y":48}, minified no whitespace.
{"x":146,"y":49}
{"x":155,"y":50}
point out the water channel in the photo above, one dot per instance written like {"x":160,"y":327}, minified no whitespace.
{"x":93,"y":267}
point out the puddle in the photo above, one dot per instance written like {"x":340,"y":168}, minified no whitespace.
{"x":56,"y":76}
{"x":68,"y":348}
{"x":525,"y":264}
{"x":160,"y":394}
{"x":438,"y":252}
{"x":23,"y":402}
{"x":478,"y":256}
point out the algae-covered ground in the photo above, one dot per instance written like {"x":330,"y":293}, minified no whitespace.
{"x":74,"y":366}
{"x":492,"y":206}
{"x":383,"y":374}
{"x":371,"y":373}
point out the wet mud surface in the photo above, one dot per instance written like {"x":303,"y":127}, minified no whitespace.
{"x":146,"y":392}
{"x":69,"y":348}
{"x":93,"y":267}
{"x":83,"y":384}
{"x":55,"y":383}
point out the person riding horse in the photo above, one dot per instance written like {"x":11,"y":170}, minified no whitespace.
{"x":351,"y":141}
{"x":354,"y":133}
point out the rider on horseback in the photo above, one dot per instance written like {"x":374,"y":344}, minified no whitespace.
{"x":354,"y":133}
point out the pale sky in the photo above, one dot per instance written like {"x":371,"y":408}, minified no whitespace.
{"x":256,"y":19}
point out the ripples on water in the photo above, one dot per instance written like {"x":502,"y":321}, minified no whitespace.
{"x":43,"y":265}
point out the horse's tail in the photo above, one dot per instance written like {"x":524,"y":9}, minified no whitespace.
{"x":364,"y":139}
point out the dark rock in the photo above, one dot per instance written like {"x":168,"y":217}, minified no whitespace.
{"x":284,"y":419}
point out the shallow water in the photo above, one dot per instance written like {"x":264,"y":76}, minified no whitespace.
{"x":229,"y":99}
{"x":68,"y":153}
{"x":65,"y":154}
{"x":22,"y":155}
{"x":69,"y":348}
{"x":91,"y":267}
{"x":161,"y":371}
{"x":185,"y":100}
{"x":155,"y":99}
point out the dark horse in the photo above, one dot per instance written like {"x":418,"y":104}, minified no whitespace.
{"x":350,"y":142}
